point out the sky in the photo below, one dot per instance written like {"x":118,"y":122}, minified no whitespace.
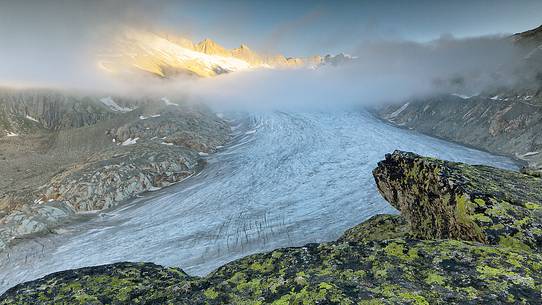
{"x":295,"y":28}
{"x":54,"y":42}
{"x":314,"y":27}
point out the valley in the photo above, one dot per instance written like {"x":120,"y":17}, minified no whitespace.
{"x":285,"y":179}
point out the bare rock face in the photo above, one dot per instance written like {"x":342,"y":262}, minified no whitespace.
{"x":447,"y":200}
{"x":104,"y":182}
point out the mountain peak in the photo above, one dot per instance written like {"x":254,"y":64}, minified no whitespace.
{"x":167,"y":55}
{"x":210,"y":47}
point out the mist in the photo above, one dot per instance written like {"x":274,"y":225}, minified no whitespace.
{"x":380,"y":72}
{"x":54,"y":43}
{"x":57,"y":48}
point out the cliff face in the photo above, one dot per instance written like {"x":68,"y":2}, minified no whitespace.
{"x":389,"y":259}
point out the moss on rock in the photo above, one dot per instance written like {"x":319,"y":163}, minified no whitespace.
{"x":442,"y":199}
{"x":378,"y":227}
{"x":397,"y":271}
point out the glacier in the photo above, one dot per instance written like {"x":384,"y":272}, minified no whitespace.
{"x":286,"y":179}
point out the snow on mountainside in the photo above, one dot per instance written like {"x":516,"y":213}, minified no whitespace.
{"x":166,"y":56}
{"x":151,"y":53}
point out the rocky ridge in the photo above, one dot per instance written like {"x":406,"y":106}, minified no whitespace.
{"x":65,"y":154}
{"x":166,"y":56}
{"x":439,"y":251}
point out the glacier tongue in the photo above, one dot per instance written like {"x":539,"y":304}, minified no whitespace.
{"x":299,"y":178}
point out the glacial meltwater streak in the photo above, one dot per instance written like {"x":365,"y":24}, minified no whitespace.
{"x":287,"y":179}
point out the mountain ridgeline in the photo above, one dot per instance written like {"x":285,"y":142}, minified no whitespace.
{"x":165,"y":55}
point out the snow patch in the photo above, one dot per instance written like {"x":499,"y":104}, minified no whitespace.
{"x":168,"y":144}
{"x":32,"y":119}
{"x":203,"y":154}
{"x":12,"y":134}
{"x":109,"y":102}
{"x":496,"y":98}
{"x":142,"y":117}
{"x":220,"y":115}
{"x":130,"y":141}
{"x":463,"y":96}
{"x":168,"y":102}
{"x":250,"y":132}
{"x":398,"y":111}
{"x":531,"y":153}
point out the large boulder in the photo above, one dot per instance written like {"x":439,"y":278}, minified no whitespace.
{"x":442,"y":199}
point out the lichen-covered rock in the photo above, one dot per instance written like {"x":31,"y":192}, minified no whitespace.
{"x":378,"y":227}
{"x":442,"y":199}
{"x":398,"y":271}
{"x":121,"y":283}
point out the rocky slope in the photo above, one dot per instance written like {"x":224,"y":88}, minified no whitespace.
{"x":506,"y":123}
{"x":490,"y":254}
{"x":504,"y":120}
{"x":62,"y":154}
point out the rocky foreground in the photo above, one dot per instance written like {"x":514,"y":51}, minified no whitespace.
{"x":466,"y":235}
{"x":63,"y":154}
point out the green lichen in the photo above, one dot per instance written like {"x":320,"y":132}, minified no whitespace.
{"x":434,"y":278}
{"x":514,"y":243}
{"x":474,"y":203}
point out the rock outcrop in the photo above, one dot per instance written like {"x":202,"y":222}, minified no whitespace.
{"x":389,"y":259}
{"x":447,"y":200}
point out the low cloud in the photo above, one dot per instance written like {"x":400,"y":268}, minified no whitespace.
{"x":53,"y":43}
{"x":383,"y":71}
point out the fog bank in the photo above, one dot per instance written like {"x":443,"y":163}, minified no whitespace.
{"x":55,"y":44}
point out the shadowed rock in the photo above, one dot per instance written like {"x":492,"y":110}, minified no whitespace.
{"x":442,"y":199}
